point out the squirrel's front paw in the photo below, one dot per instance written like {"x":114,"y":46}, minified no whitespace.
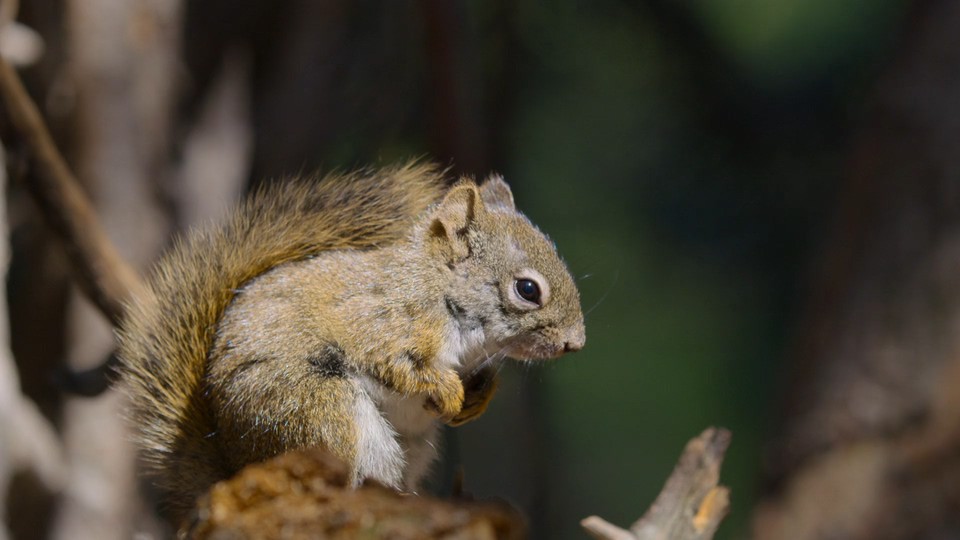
{"x":447,"y":400}
{"x":479,"y":389}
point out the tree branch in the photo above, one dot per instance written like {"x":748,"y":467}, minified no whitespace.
{"x":102,"y":274}
{"x":307,"y":494}
{"x":691,"y":505}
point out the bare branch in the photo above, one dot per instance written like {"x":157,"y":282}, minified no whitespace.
{"x":103,"y":275}
{"x":691,"y":504}
{"x":602,"y":529}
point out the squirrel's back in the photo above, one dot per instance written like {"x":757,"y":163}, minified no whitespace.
{"x":167,"y":334}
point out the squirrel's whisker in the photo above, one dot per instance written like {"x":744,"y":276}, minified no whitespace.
{"x":603,"y":297}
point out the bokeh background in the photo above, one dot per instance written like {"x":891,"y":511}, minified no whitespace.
{"x":688,"y":158}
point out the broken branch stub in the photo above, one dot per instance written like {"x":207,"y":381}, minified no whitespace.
{"x":691,"y":504}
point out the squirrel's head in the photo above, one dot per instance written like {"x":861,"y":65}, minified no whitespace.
{"x":507,"y":278}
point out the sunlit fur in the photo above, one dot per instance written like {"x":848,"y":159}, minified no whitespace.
{"x":347,"y":314}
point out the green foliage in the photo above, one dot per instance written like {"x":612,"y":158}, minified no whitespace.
{"x":784,"y":42}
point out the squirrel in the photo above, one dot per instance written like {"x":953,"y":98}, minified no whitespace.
{"x":356,"y":314}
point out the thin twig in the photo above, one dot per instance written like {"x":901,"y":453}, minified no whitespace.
{"x":102,"y":274}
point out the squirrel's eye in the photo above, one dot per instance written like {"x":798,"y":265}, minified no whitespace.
{"x":528,"y":290}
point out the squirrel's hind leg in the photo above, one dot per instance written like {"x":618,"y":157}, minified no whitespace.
{"x":379,"y":455}
{"x":267,"y":406}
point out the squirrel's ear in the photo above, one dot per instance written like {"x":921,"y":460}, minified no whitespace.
{"x":496,"y":193}
{"x":455,"y":213}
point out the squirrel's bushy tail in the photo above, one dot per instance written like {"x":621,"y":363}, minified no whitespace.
{"x":167,"y":334}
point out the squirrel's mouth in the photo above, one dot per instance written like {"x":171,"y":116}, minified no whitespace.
{"x":535,"y":351}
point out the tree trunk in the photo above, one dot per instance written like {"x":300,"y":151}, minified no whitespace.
{"x":869,"y":445}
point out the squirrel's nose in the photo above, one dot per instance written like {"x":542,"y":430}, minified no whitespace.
{"x":575,"y":339}
{"x":575,"y":344}
{"x":576,"y":336}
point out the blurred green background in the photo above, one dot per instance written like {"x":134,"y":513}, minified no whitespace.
{"x":685,"y":157}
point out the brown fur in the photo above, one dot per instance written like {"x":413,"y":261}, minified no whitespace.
{"x":169,"y":331}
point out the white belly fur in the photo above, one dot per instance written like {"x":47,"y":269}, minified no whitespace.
{"x":398,"y":436}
